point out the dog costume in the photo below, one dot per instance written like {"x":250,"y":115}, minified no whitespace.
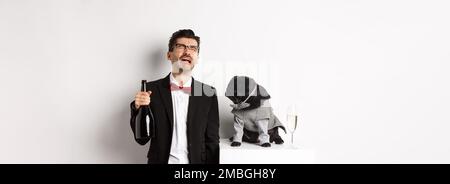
{"x":254,"y":120}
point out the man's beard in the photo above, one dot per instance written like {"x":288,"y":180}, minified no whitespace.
{"x":179,"y":67}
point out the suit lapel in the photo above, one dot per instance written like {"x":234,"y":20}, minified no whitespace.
{"x":193,"y":106}
{"x":166,"y":95}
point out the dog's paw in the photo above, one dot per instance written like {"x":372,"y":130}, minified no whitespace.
{"x":235,"y":144}
{"x":279,"y":141}
{"x":265,"y":144}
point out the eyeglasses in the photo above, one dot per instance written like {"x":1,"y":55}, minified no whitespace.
{"x":180,"y":46}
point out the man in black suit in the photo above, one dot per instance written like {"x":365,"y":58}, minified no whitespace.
{"x":185,"y":110}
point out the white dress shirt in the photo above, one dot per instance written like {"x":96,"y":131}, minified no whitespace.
{"x":180,"y":102}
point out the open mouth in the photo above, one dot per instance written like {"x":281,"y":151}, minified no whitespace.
{"x":186,"y":60}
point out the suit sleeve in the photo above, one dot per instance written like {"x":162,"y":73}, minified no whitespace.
{"x":212,"y":133}
{"x":133,"y":125}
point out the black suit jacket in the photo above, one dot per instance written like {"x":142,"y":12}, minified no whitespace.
{"x":202,"y":123}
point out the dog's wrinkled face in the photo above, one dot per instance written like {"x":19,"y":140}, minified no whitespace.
{"x":239,"y":88}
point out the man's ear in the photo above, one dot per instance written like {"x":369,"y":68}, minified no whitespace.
{"x":168,"y":56}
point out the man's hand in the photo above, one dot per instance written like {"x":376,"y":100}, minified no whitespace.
{"x":142,"y":98}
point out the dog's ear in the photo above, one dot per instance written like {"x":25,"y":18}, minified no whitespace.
{"x":262,"y":93}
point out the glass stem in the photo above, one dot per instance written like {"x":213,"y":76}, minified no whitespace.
{"x":292,"y":138}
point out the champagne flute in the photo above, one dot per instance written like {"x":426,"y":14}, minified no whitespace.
{"x":291,"y":120}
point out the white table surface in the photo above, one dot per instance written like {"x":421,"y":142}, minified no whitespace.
{"x":255,"y":154}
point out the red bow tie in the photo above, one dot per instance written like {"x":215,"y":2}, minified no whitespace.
{"x":174,"y":87}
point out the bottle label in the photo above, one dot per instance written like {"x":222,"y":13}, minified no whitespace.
{"x":147,"y":121}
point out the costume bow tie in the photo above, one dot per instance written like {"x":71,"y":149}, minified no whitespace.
{"x":174,"y":87}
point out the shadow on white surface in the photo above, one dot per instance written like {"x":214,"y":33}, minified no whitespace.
{"x":255,"y":154}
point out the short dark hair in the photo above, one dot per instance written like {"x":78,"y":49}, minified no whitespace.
{"x":183,"y":33}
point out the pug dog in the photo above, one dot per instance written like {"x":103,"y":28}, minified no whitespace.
{"x":254,"y":120}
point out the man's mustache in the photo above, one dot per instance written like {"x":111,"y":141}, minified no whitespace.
{"x":186,"y":57}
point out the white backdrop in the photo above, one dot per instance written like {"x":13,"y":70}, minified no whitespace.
{"x":370,"y":78}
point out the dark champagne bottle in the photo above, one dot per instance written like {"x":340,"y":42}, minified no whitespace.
{"x":145,"y":125}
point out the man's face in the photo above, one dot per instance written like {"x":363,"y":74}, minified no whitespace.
{"x":184,"y":54}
